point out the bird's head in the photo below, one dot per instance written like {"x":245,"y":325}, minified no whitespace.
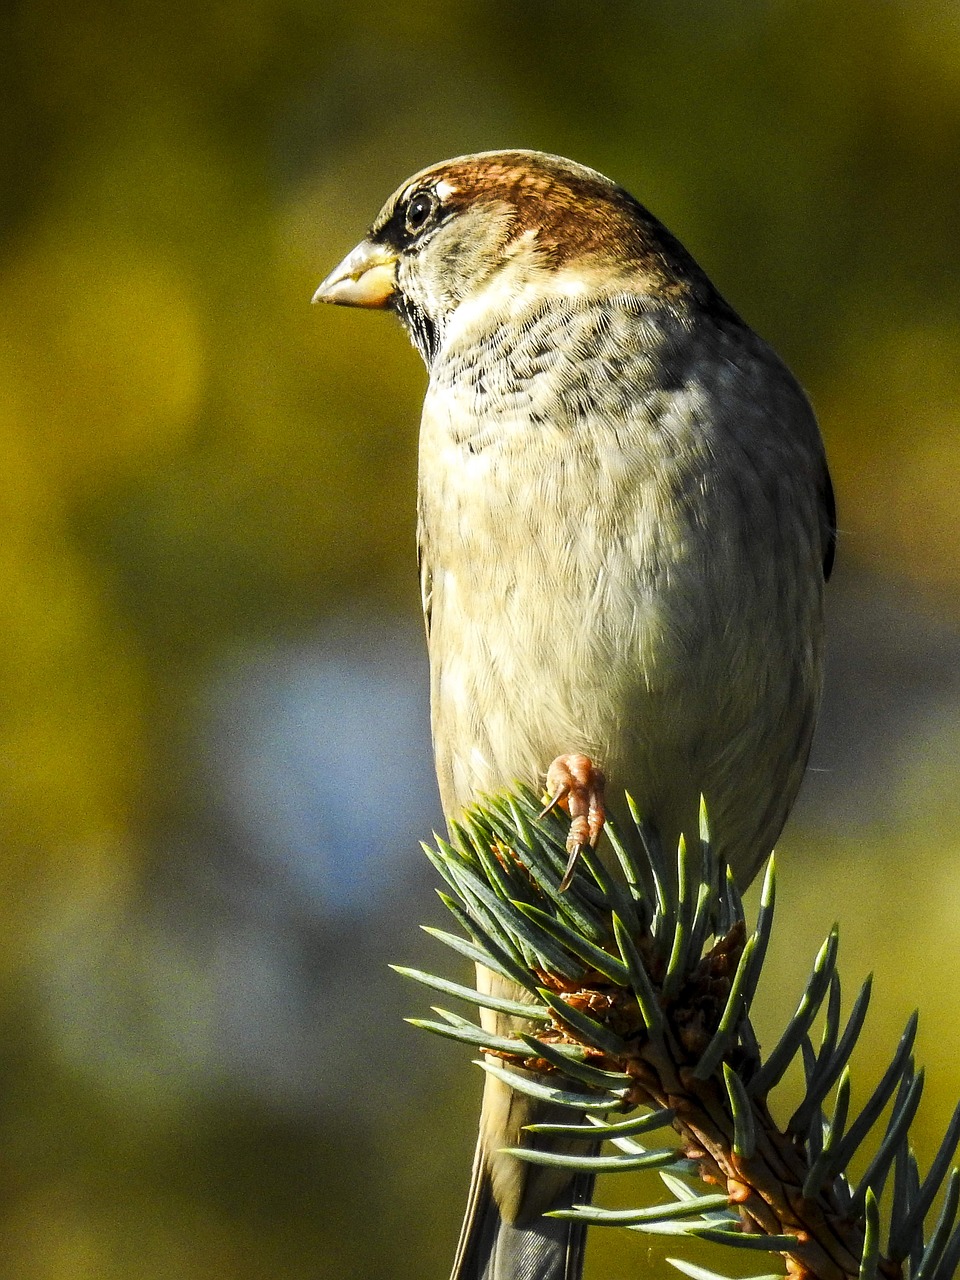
{"x":451,"y":228}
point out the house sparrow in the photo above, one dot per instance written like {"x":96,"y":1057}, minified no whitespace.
{"x":625,"y":525}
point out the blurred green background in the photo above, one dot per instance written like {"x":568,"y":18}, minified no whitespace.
{"x":214,"y":760}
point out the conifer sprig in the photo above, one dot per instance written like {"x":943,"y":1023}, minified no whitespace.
{"x":638,"y":992}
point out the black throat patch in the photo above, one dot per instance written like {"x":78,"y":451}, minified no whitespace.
{"x":423,"y":332}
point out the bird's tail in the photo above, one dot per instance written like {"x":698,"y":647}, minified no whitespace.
{"x":542,"y":1249}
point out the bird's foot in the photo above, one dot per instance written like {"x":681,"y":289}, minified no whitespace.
{"x":576,"y":785}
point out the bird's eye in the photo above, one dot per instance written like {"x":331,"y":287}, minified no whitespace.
{"x":420,"y":209}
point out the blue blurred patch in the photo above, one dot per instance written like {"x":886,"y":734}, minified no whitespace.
{"x":322,"y":762}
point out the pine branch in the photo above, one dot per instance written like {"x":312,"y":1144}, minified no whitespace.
{"x":641,"y":986}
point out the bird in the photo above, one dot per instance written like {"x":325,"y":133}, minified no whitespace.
{"x":625,"y":524}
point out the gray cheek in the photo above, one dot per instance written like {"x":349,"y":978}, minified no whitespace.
{"x":455,"y":260}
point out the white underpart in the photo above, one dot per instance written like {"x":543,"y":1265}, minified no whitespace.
{"x":589,"y":510}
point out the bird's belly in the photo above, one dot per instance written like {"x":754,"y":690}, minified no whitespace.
{"x":554,"y":629}
{"x":542,"y":669}
{"x":611,"y":626}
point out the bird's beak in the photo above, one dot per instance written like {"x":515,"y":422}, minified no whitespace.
{"x":367,"y":277}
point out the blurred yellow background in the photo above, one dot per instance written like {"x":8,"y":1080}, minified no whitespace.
{"x":214,"y":762}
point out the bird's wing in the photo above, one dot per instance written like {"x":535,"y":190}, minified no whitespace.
{"x":425,"y":573}
{"x":829,"y":507}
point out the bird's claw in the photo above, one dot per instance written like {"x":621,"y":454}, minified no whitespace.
{"x":576,"y":785}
